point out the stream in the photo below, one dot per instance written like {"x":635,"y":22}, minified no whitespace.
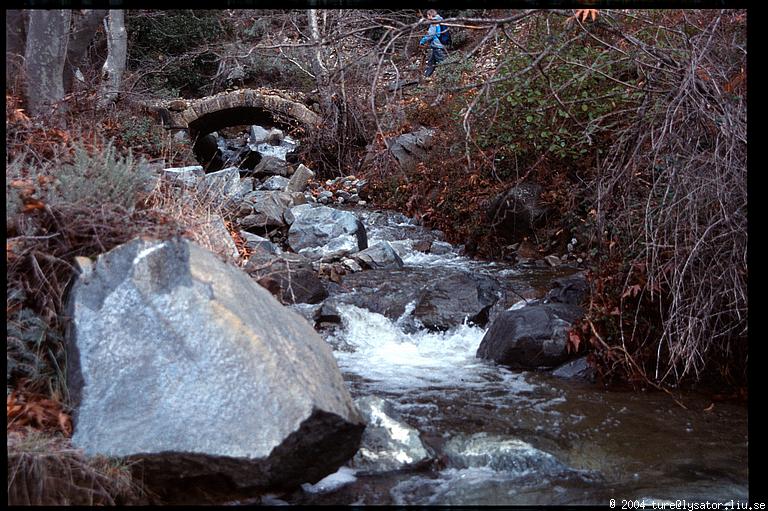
{"x":523,"y":438}
{"x":582,"y":444}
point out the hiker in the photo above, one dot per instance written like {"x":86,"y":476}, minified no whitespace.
{"x":433,"y":37}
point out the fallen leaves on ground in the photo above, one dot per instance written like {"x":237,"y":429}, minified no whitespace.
{"x":38,"y":412}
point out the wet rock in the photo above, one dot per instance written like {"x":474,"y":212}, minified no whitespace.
{"x":501,"y":454}
{"x":440,"y":298}
{"x":289,"y":277}
{"x":275,"y":183}
{"x":299,"y":180}
{"x":532,"y":337}
{"x":514,"y":214}
{"x":308,"y":311}
{"x":319,"y":232}
{"x":181,"y":362}
{"x":328,"y":313}
{"x":448,"y":301}
{"x":388,"y":443}
{"x":440,"y":248}
{"x":379,"y":256}
{"x":185,"y":176}
{"x":572,"y":289}
{"x":576,"y":369}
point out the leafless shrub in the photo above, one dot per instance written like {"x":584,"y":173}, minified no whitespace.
{"x":673,"y":190}
{"x":46,"y":470}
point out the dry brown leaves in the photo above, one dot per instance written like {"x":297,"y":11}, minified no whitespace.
{"x":242,"y":248}
{"x":583,"y":14}
{"x":28,"y":410}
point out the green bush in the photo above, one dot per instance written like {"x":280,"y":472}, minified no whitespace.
{"x":531,"y":121}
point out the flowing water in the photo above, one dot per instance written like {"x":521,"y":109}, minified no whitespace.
{"x":527,"y":437}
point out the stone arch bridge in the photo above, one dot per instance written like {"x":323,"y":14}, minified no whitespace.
{"x":266,"y":107}
{"x":241,"y":106}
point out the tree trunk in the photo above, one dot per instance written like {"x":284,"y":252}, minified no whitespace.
{"x":117,"y":45}
{"x":44,"y":58}
{"x":85,"y":29}
{"x":15,"y":32}
{"x":318,"y":69}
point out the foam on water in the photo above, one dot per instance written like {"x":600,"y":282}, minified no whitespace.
{"x":397,"y":360}
{"x":333,"y":482}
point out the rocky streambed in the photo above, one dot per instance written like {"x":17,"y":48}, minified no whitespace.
{"x":458,"y":368}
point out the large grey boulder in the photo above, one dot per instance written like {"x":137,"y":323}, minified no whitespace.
{"x":535,"y":336}
{"x":379,"y":256}
{"x":184,"y":363}
{"x":388,"y":443}
{"x":289,"y":277}
{"x":323,"y":233}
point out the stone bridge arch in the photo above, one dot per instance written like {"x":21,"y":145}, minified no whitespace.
{"x":202,"y":116}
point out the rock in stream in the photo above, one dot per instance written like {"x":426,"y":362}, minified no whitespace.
{"x":185,"y":363}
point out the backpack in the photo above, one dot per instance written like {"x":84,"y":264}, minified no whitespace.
{"x":444,"y":36}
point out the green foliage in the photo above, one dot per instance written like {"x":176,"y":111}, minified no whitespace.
{"x":531,"y":121}
{"x":102,"y":178}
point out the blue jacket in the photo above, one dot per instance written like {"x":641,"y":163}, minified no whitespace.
{"x":432,"y":35}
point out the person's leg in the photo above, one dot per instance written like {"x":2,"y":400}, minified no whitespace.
{"x":431,"y":63}
{"x":438,"y":55}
